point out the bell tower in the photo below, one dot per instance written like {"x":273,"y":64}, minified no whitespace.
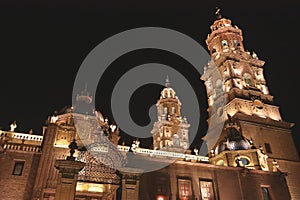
{"x":241,"y":84}
{"x":170,"y":132}
{"x":242,"y":77}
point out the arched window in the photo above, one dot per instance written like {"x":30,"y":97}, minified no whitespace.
{"x":176,"y":141}
{"x":248,"y":79}
{"x":161,"y":144}
{"x":224,"y":43}
{"x":173,"y":110}
{"x":165,"y":110}
{"x":236,"y":43}
{"x":213,"y":50}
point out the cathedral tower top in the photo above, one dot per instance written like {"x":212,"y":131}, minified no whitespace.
{"x":242,"y":78}
{"x":170,"y":132}
{"x":224,"y":36}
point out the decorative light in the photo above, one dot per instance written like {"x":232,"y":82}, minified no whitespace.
{"x":160,"y":198}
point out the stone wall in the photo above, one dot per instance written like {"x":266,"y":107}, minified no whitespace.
{"x":17,"y":186}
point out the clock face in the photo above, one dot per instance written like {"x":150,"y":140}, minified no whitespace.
{"x":258,"y":104}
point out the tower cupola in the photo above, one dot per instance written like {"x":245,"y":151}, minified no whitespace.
{"x":224,"y":37}
{"x":170,"y":132}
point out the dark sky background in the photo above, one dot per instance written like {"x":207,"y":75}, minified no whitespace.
{"x":43,"y":44}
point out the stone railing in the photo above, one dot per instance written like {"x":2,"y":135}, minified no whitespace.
{"x":22,"y":147}
{"x":166,"y":154}
{"x":21,"y":136}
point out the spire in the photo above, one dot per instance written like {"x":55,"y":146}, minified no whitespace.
{"x":85,"y":87}
{"x":218,"y":13}
{"x":85,"y":91}
{"x":167,"y":84}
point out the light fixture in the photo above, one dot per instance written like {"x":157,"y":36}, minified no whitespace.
{"x":160,"y":197}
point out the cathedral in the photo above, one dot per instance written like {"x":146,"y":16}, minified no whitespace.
{"x":254,"y":158}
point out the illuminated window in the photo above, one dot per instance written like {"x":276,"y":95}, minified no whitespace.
{"x":266,"y":193}
{"x":248,"y":79}
{"x":236,"y":43}
{"x":176,"y":140}
{"x":224,"y":43}
{"x":165,"y":110}
{"x":18,"y":168}
{"x":173,"y":110}
{"x":184,"y":189}
{"x":207,"y":190}
{"x":213,"y":50}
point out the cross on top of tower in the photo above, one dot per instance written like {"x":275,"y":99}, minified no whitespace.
{"x":218,"y":13}
{"x":167,"y":84}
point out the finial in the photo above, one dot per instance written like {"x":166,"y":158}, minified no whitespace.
{"x":218,"y":13}
{"x":167,"y":84}
{"x":196,"y":151}
{"x":72,"y":146}
{"x":254,"y":55}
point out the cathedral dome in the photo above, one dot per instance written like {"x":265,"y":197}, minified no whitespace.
{"x":65,"y":110}
{"x":234,"y":141}
{"x":83,"y":103}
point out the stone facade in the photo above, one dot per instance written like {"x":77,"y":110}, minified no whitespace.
{"x":227,"y":182}
{"x":18,"y":186}
{"x":254,"y":158}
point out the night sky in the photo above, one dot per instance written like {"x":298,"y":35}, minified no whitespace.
{"x":43,"y":44}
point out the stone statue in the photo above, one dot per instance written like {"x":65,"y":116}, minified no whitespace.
{"x":196,"y":151}
{"x":135,"y":144}
{"x":13,"y":126}
{"x":263,"y":160}
{"x":113,"y":127}
{"x":53,"y":119}
{"x":275,"y":166}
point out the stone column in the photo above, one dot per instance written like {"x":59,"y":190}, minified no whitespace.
{"x":46,"y":161}
{"x":68,"y":173}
